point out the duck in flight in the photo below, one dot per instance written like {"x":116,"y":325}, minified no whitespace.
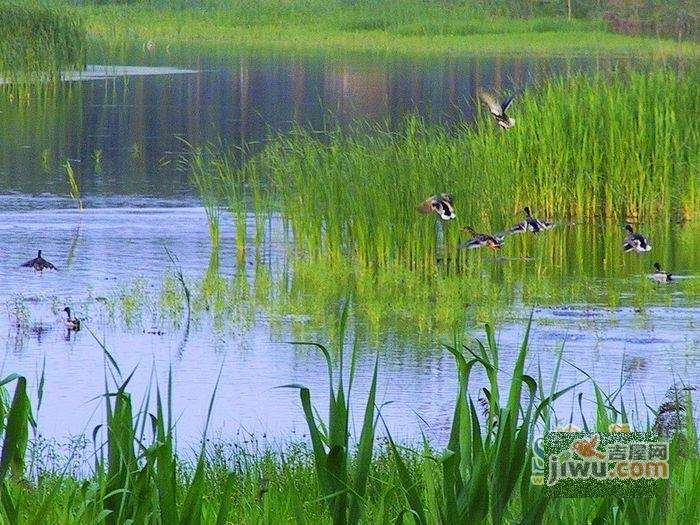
{"x":498,"y":111}
{"x":660,"y":275}
{"x":39,"y":264}
{"x":72,"y":323}
{"x":531,"y":224}
{"x":440,"y":204}
{"x":492,"y":242}
{"x":635,"y":241}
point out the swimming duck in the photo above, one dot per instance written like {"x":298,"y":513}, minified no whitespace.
{"x":635,"y":241}
{"x":72,"y":323}
{"x":660,"y":275}
{"x":39,"y":264}
{"x":440,"y":204}
{"x":531,"y":224}
{"x":492,"y":242}
{"x":498,"y":111}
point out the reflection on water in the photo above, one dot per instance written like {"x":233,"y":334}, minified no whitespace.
{"x":123,"y":136}
{"x":112,"y":264}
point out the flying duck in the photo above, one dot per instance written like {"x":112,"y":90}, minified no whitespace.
{"x":660,"y":275}
{"x":72,"y":323}
{"x":492,"y":242}
{"x":498,"y":111}
{"x":440,"y":204}
{"x":635,"y":241}
{"x":531,"y":224}
{"x":39,"y":264}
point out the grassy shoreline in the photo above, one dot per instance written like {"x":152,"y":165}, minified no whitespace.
{"x":37,"y":42}
{"x":345,"y":30}
{"x":137,"y":475}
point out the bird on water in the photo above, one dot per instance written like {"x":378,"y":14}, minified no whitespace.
{"x":39,"y":264}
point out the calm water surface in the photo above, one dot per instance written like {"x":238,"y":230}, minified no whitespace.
{"x":123,"y":137}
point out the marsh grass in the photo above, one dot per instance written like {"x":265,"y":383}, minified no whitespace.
{"x":38,"y":42}
{"x":586,"y":148}
{"x":207,"y":185}
{"x":407,"y":27}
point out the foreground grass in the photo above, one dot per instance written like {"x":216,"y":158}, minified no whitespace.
{"x":482,"y":475}
{"x":410,"y":27}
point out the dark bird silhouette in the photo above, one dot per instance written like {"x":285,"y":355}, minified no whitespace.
{"x":39,"y":264}
{"x":72,"y":323}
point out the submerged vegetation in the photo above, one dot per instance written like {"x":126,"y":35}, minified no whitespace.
{"x":38,"y":41}
{"x":585,"y":149}
{"x":483,"y":472}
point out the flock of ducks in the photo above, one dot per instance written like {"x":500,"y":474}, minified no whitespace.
{"x":443,"y":206}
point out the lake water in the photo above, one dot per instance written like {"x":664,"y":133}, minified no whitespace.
{"x":123,"y":137}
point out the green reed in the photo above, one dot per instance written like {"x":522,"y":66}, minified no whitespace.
{"x":38,"y":42}
{"x":481,"y":475}
{"x":73,"y":186}
{"x":208,"y":188}
{"x":609,"y":147}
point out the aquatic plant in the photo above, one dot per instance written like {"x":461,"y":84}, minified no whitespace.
{"x":74,"y":188}
{"x":585,"y":148}
{"x":38,"y":42}
{"x":483,"y":473}
{"x":581,"y":265}
{"x":343,"y":488}
{"x":205,"y":178}
{"x":97,"y":160}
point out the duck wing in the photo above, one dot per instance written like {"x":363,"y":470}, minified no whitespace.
{"x":518,"y":228}
{"x":506,"y":104}
{"x":49,"y":265}
{"x":28,"y":264}
{"x":494,"y":107}
{"x":471,"y":244}
{"x":496,"y":239}
{"x":534,"y":224}
{"x":641,"y":241}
